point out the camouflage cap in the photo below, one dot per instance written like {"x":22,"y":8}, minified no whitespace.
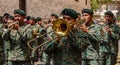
{"x":38,"y":19}
{"x":70,"y":12}
{"x":109,"y":13}
{"x":89,"y":11}
{"x":33,"y":18}
{"x":19,"y":11}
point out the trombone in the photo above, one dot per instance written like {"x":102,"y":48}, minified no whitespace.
{"x":60,"y":27}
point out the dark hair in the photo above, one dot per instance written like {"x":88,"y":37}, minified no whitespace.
{"x":28,"y":17}
{"x":78,"y":13}
{"x":54,"y":15}
{"x":6,"y":15}
{"x":11,"y":17}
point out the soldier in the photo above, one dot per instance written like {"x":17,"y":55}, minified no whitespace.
{"x":5,"y":27}
{"x":28,"y":19}
{"x":5,"y":17}
{"x":19,"y":52}
{"x":90,"y":56}
{"x":48,"y":27}
{"x":67,"y":50}
{"x":79,"y":17}
{"x":32,"y":32}
{"x":53,"y":17}
{"x":112,"y":31}
{"x":39,"y":24}
{"x":44,"y":58}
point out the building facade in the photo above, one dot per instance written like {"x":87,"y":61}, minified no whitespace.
{"x":42,"y":8}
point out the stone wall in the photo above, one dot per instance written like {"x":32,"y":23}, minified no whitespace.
{"x":8,"y":6}
{"x":44,"y":8}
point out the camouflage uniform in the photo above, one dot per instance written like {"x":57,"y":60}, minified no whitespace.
{"x":48,"y":57}
{"x":29,"y":35}
{"x":110,"y":33}
{"x":1,"y":45}
{"x":40,"y":27}
{"x":49,"y":29}
{"x":103,"y":47}
{"x":91,"y":54}
{"x":44,"y":58}
{"x":113,"y":41}
{"x":19,"y":51}
{"x":68,"y":50}
{"x":109,"y":48}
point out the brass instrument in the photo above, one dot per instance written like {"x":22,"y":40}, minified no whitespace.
{"x":35,"y":32}
{"x":60,"y":27}
{"x":7,"y":27}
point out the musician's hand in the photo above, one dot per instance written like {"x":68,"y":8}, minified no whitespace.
{"x":109,"y":30}
{"x":58,"y":39}
{"x":84,"y":28}
{"x":16,"y":26}
{"x":47,"y":25}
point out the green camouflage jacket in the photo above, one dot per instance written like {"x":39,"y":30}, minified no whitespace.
{"x":1,"y":44}
{"x":18,"y":47}
{"x":94,"y":37}
{"x":68,"y":50}
{"x":114,"y":37}
{"x":110,"y":43}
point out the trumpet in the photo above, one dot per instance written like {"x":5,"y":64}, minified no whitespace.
{"x":7,"y":27}
{"x":60,"y":27}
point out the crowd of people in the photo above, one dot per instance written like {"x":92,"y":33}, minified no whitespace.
{"x":86,"y":41}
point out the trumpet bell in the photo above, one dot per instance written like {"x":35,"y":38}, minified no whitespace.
{"x":60,"y":27}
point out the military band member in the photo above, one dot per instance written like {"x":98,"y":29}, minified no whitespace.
{"x":48,"y":27}
{"x":67,"y":50}
{"x":19,"y":52}
{"x":40,"y":24}
{"x":90,"y":56}
{"x":50,"y":36}
{"x":53,"y":17}
{"x":79,"y":17}
{"x":6,"y":41}
{"x":112,"y":31}
{"x":32,"y":32}
{"x":28,"y":19}
{"x":5,"y":17}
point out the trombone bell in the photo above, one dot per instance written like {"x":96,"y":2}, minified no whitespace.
{"x":60,"y":27}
